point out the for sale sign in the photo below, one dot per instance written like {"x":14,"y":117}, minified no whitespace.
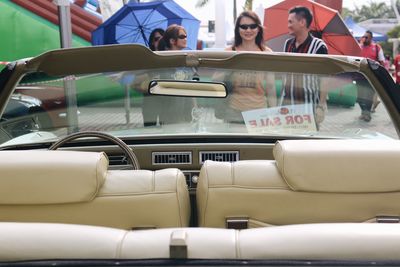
{"x":283,"y":119}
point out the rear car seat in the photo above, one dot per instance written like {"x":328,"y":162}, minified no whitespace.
{"x":359,"y":242}
{"x":76,"y":187}
{"x":310,"y":181}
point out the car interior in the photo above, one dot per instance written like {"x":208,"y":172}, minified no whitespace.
{"x":197,"y":197}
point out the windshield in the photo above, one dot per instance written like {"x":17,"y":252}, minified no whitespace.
{"x":258,"y":103}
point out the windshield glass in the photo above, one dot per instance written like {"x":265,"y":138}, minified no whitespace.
{"x":258,"y":103}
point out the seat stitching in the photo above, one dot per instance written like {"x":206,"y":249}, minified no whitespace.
{"x":97,"y":190}
{"x":250,"y":187}
{"x":232,"y":174}
{"x":137,"y":194}
{"x":177,"y":198}
{"x":120,"y":245}
{"x":283,"y":168}
{"x":153,"y":181}
{"x":208,"y":186}
{"x":237,"y":242}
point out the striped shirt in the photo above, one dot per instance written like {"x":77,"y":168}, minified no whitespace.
{"x":302,"y":88}
{"x":311,"y":45}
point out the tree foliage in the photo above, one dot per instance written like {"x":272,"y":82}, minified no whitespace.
{"x":370,"y":10}
{"x":373,"y":10}
{"x":394,"y":33}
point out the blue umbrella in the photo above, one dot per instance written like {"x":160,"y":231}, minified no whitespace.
{"x":134,"y":22}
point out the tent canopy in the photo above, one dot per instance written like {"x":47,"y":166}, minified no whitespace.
{"x":358,"y":31}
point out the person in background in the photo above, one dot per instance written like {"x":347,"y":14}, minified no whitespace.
{"x":174,"y":38}
{"x":397,"y":68}
{"x":250,"y":89}
{"x":367,"y":97}
{"x":151,"y":103}
{"x":179,"y":108}
{"x":199,"y":45}
{"x":388,"y":62}
{"x":304,"y":89}
{"x":155,"y":37}
{"x":248,"y":33}
{"x":299,"y":22}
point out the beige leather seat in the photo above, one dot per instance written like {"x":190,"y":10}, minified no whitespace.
{"x":20,"y":241}
{"x":310,"y":181}
{"x":76,"y":187}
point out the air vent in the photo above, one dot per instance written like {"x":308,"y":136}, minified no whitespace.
{"x":160,"y":158}
{"x":228,"y":156}
{"x":115,"y":160}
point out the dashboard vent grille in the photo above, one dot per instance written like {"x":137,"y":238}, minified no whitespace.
{"x":117,"y":160}
{"x":229,"y":156}
{"x":160,"y":158}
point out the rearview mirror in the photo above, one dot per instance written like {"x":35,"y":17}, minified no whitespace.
{"x":188,"y":88}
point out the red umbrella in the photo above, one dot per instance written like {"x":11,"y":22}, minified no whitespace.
{"x":326,"y":21}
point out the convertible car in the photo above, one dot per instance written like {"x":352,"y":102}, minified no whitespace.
{"x":232,"y":158}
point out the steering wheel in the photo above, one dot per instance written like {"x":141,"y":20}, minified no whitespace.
{"x":115,"y":140}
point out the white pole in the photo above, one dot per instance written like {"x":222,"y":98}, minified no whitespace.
{"x":396,"y":11}
{"x":64,"y":17}
{"x":108,"y":8}
{"x":220,"y":34}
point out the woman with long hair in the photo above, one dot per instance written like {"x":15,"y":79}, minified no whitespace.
{"x":155,"y":37}
{"x":249,"y":33}
{"x":151,"y":103}
{"x":179,"y":108}
{"x":249,"y":89}
{"x":174,"y":38}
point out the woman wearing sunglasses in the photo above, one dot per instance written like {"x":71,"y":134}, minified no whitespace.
{"x":150,"y":105}
{"x":155,"y":37}
{"x":249,"y":89}
{"x":179,"y":108}
{"x":174,"y":38}
{"x":248,"y":33}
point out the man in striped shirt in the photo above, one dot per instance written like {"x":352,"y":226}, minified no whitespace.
{"x":304,"y":89}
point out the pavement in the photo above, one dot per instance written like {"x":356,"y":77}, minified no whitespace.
{"x":338,"y":120}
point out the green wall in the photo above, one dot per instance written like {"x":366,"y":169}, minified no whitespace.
{"x":24,"y":34}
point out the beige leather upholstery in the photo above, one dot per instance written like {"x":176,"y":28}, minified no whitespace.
{"x":310,"y":181}
{"x":75,"y":187}
{"x":51,"y":177}
{"x":30,"y":241}
{"x":345,"y":166}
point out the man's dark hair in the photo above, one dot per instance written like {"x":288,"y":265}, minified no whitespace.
{"x":370,"y":33}
{"x":152,"y":36}
{"x":304,"y":13}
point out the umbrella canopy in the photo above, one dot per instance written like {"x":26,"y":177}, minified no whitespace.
{"x":358,"y":31}
{"x":327,"y":22}
{"x":134,"y":22}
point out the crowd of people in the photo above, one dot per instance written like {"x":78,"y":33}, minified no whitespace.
{"x":249,"y":91}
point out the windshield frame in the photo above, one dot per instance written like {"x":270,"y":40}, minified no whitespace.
{"x":68,"y":61}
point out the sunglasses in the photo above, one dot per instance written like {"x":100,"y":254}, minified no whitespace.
{"x":182,"y":36}
{"x":246,"y":26}
{"x":365,"y":37}
{"x":157,"y":38}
